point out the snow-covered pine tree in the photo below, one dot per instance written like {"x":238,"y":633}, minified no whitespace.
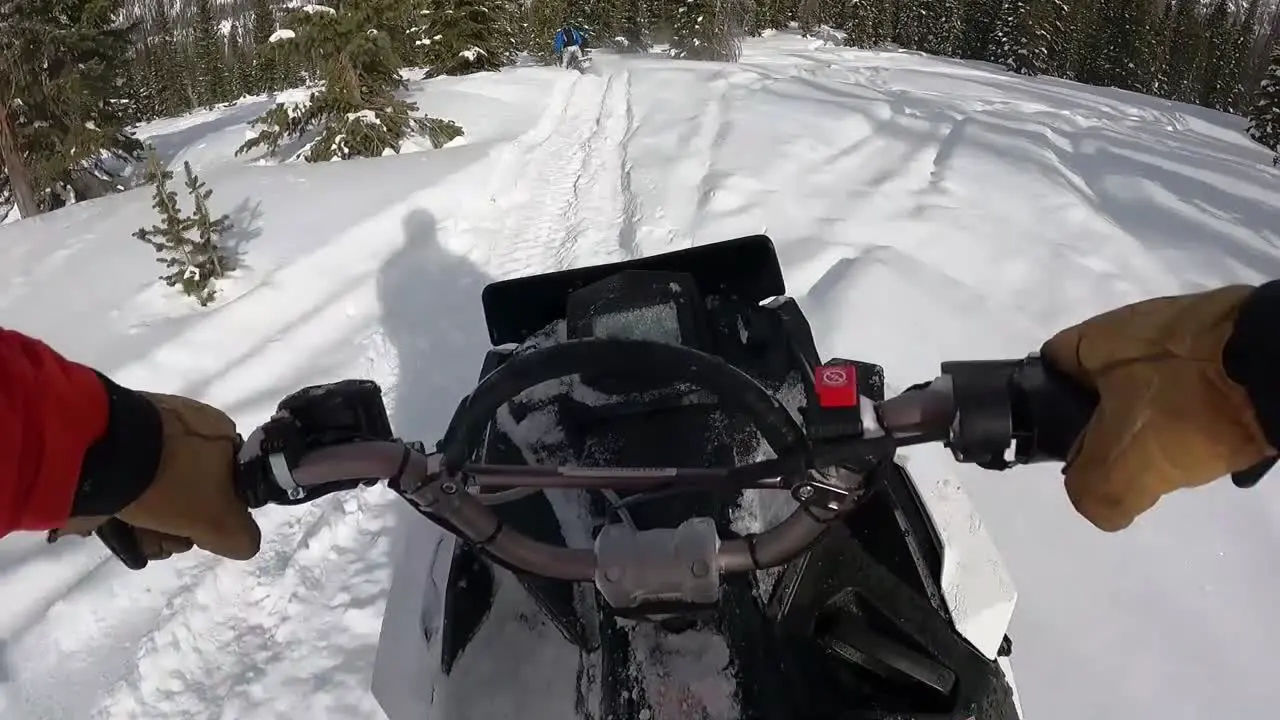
{"x":1246,"y":34}
{"x":545,"y":17}
{"x":1186,"y":52}
{"x":357,"y":108}
{"x":241,"y":81}
{"x":1121,"y":40}
{"x":1264,"y":113}
{"x":163,"y":61}
{"x":771,"y":15}
{"x":1218,"y":80}
{"x":943,"y":33}
{"x":978,"y":29}
{"x":1161,"y":29}
{"x":868,"y":23}
{"x":210,"y":261}
{"x":459,"y":37}
{"x":633,"y":28}
{"x":808,"y":15}
{"x":705,"y":30}
{"x":597,"y":20}
{"x":1022,"y":36}
{"x":262,"y":24}
{"x":194,"y":263}
{"x":209,"y":56}
{"x":910,"y":24}
{"x":62,"y":63}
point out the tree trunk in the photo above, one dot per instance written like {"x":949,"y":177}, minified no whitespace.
{"x":24,"y":191}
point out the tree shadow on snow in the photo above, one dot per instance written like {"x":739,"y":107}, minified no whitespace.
{"x":1196,"y":218}
{"x":245,"y":228}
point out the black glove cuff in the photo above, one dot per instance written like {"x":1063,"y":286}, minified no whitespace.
{"x":121,"y":464}
{"x":1251,"y":357}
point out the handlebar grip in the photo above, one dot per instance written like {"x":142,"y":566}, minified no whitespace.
{"x":1050,"y":410}
{"x":122,"y":541}
{"x":1026,"y":403}
{"x":254,"y":484}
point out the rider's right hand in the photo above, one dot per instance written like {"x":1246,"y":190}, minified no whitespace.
{"x":1186,"y":391}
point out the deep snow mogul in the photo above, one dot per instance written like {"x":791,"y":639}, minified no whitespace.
{"x":1186,"y":384}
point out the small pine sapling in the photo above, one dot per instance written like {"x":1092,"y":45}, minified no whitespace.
{"x":194,"y":263}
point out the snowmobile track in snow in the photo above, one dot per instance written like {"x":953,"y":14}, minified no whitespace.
{"x":561,"y":193}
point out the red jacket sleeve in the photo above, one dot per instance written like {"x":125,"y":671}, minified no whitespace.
{"x":51,"y":411}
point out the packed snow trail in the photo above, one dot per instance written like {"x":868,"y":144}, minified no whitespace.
{"x":924,"y":209}
{"x":560,"y":193}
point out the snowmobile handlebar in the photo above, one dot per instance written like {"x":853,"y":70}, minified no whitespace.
{"x":979,"y":409}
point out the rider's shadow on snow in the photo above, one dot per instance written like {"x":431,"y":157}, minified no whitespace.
{"x":431,"y":314}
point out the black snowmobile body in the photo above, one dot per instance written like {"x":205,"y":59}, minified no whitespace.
{"x":857,"y":627}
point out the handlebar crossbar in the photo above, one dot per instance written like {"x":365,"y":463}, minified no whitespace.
{"x":630,"y":566}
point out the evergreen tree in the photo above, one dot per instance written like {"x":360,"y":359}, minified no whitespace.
{"x":771,"y":15}
{"x":979,"y":19}
{"x":1246,"y":34}
{"x":266,"y":75}
{"x":240,"y":79}
{"x":545,"y":18}
{"x":1161,"y":41}
{"x":1217,"y":85}
{"x":1264,"y":114}
{"x":62,"y":67}
{"x":1060,"y":49}
{"x":195,"y":263}
{"x":1023,"y":36}
{"x":942,"y":35}
{"x":868,"y":23}
{"x":633,"y":28}
{"x":165,"y":62}
{"x":598,"y":20}
{"x":209,"y":56}
{"x":1122,"y":52}
{"x":705,"y":30}
{"x":1186,"y":52}
{"x":459,"y":37}
{"x":808,"y":15}
{"x":357,"y":109}
{"x":911,"y":23}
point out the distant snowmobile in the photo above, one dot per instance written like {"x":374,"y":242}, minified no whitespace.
{"x":660,"y":503}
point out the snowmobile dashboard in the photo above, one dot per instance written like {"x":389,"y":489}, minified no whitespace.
{"x":993,"y":413}
{"x":744,"y":269}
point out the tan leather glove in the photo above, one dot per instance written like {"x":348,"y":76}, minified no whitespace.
{"x":192,"y":499}
{"x":1168,"y":416}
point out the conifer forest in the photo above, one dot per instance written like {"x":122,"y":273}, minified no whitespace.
{"x":76,"y":74}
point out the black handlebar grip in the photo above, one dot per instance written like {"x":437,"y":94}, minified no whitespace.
{"x":121,"y":539}
{"x":254,"y":484}
{"x":1050,"y":409}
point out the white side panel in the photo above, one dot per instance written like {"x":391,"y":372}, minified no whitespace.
{"x":517,"y":666}
{"x":1007,"y":668}
{"x":975,"y":582}
{"x":406,"y":669}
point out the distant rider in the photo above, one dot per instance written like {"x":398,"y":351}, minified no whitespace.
{"x":569,"y":46}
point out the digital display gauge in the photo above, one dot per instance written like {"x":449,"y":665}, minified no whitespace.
{"x":656,"y":323}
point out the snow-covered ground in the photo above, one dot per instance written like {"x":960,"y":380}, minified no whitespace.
{"x":924,"y":209}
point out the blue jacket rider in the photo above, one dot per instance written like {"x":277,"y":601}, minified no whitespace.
{"x":568,"y":36}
